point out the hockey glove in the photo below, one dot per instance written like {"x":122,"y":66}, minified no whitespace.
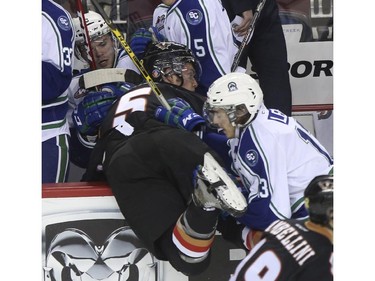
{"x":142,"y":37}
{"x":181,"y":115}
{"x":230,"y":229}
{"x":92,"y":110}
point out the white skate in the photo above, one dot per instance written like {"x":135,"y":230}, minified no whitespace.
{"x":215,"y":189}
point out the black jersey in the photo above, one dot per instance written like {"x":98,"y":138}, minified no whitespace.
{"x":142,"y":98}
{"x":291,"y":250}
{"x":151,"y":175}
{"x":115,"y":129}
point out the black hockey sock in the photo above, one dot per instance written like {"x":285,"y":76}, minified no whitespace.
{"x":200,"y":220}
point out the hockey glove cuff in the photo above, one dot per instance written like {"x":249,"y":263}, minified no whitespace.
{"x":118,"y":89}
{"x":92,"y":110}
{"x":181,"y":115}
{"x":250,"y":237}
{"x":142,"y":37}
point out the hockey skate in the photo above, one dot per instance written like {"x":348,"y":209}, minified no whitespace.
{"x":215,"y":189}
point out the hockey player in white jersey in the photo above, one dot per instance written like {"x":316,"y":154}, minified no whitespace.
{"x":274,"y":156}
{"x":204,"y":27}
{"x":106,"y":50}
{"x":158,"y":17}
{"x":107,"y":54}
{"x":57,"y":52}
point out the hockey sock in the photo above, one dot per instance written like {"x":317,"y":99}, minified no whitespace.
{"x":200,"y":220}
{"x":194,"y":233}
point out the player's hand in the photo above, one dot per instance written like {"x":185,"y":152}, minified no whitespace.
{"x":230,"y":229}
{"x":92,"y":110}
{"x":181,"y":115}
{"x":244,"y":26}
{"x":251,"y":237}
{"x":142,"y":37}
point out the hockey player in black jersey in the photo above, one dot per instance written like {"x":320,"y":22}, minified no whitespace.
{"x":168,"y":183}
{"x":292,"y":250}
{"x":89,"y":115}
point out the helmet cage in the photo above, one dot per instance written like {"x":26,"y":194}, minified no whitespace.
{"x":238,"y":115}
{"x":175,"y":65}
{"x":167,"y":58}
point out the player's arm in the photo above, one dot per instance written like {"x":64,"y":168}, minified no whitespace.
{"x":254,"y":169}
{"x":243,"y":8}
{"x":91,"y":111}
{"x":181,"y":115}
{"x":54,"y":83}
{"x":56,"y":60}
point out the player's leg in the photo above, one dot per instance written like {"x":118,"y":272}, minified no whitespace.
{"x":55,"y":159}
{"x":159,"y":215}
{"x":187,"y":244}
{"x":147,"y":198}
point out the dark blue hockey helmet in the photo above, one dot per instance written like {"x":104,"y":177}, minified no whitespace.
{"x":319,"y":200}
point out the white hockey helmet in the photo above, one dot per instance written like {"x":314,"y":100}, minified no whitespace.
{"x":96,"y":26}
{"x":238,"y":94}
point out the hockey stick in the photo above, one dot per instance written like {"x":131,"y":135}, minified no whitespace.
{"x":86,"y":35}
{"x":248,"y":35}
{"x":132,"y":56}
{"x":98,"y":77}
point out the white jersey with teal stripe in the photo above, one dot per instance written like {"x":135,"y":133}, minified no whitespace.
{"x":276,"y":159}
{"x":204,"y":27}
{"x":57,"y":52}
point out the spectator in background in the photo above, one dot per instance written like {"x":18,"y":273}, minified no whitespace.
{"x":57,"y":53}
{"x":266,"y":51}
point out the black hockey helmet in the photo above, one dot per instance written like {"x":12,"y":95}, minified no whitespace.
{"x":319,"y":200}
{"x":165,"y":58}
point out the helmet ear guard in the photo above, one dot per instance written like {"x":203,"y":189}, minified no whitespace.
{"x":242,"y":115}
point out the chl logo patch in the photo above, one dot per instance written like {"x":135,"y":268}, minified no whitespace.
{"x":194,"y":17}
{"x":252,"y":157}
{"x":232,"y":86}
{"x":160,"y":22}
{"x":163,"y":45}
{"x":155,"y":73}
{"x":63,"y":23}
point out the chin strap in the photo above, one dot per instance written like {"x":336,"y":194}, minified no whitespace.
{"x":237,"y":132}
{"x":116,"y":48}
